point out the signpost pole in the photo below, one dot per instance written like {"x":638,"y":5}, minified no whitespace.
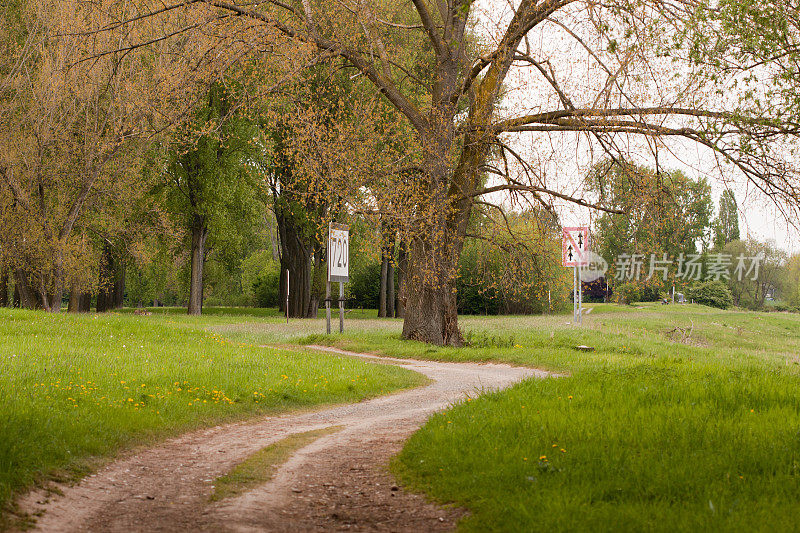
{"x":341,"y":307}
{"x":574,"y":295}
{"x":328,"y":307}
{"x":580,"y":296}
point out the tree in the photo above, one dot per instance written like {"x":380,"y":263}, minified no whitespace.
{"x":749,"y":288}
{"x":65,"y":130}
{"x":791,"y":282}
{"x":664,"y":213}
{"x":386,"y":303}
{"x":212,"y":181}
{"x":452,"y":101}
{"x":726,"y":225}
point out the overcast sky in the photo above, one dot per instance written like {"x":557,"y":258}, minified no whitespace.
{"x":562,"y":161}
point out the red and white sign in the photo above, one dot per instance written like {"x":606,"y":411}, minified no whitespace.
{"x":574,"y":244}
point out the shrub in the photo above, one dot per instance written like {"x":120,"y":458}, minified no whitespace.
{"x":713,"y":294}
{"x":596,"y":291}
{"x":265,"y":286}
{"x":365,"y":286}
{"x":627,"y":293}
{"x":253,"y":267}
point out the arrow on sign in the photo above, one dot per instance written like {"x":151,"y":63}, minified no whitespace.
{"x":569,"y":249}
{"x":580,"y":240}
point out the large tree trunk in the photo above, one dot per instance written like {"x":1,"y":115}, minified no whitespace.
{"x":199,"y":236}
{"x":435,"y":247}
{"x":296,"y":258}
{"x":431,"y":308}
{"x":79,"y":302}
{"x":318,"y":281}
{"x":119,"y":284}
{"x":25,"y":296}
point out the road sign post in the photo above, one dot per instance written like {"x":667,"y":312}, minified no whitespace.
{"x":574,"y":245}
{"x":338,"y":269}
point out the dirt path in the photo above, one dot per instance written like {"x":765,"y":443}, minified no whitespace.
{"x":339,"y":482}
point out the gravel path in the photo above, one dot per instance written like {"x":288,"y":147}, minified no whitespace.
{"x":339,"y":482}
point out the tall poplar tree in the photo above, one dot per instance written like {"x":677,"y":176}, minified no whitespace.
{"x":212,"y":180}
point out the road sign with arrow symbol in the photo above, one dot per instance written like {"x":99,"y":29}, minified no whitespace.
{"x":574,"y":245}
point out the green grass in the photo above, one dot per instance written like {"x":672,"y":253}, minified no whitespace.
{"x":660,"y":431}
{"x":262,"y":465}
{"x":74,"y":388}
{"x":260,"y":312}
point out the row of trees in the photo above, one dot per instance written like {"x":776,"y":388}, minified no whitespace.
{"x":130,"y":128}
{"x":668,"y":213}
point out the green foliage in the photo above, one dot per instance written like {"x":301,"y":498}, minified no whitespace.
{"x":213,"y":181}
{"x":726,"y":225}
{"x":365,"y":285}
{"x":792,"y":281}
{"x":255,"y":268}
{"x":712,"y":293}
{"x":664,"y":212}
{"x":771,"y":277}
{"x":628,"y":293}
{"x":512,"y":268}
{"x":748,"y":34}
{"x":266,"y":285}
{"x":477,"y":292}
{"x":154,"y":279}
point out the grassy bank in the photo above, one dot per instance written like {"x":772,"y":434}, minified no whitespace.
{"x":77,"y":387}
{"x":683,"y":419}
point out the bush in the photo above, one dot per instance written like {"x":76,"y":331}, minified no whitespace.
{"x":475,"y":297}
{"x":596,"y":291}
{"x":265,"y":286}
{"x":365,"y":286}
{"x":253,"y":267}
{"x":627,"y":293}
{"x":713,"y":294}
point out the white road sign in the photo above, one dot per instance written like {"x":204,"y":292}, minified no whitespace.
{"x":574,"y":244}
{"x":338,"y":252}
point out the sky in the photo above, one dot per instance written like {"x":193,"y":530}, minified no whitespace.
{"x":561,"y":161}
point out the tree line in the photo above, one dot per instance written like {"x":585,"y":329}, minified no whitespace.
{"x":130,"y":131}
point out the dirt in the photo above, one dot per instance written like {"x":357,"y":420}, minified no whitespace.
{"x":340,"y":482}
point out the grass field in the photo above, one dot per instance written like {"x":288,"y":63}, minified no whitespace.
{"x":683,"y":418}
{"x":659,"y":429}
{"x":75,"y":388}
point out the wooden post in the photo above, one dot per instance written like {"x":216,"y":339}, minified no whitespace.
{"x":341,"y":307}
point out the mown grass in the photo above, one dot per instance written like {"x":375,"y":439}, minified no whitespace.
{"x":658,"y":429}
{"x":77,"y":387}
{"x":259,"y":467}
